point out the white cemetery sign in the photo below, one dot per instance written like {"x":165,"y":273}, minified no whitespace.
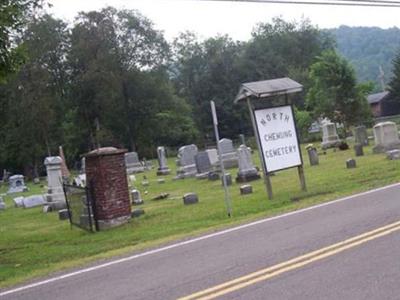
{"x":278,"y":138}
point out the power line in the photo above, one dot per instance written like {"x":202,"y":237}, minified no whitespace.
{"x":365,"y":3}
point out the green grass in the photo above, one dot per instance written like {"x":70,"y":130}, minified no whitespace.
{"x":34,"y":244}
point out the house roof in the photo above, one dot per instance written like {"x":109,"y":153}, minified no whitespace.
{"x":268,"y":88}
{"x":376,"y":98}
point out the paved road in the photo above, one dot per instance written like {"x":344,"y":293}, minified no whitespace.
{"x":368,"y":271}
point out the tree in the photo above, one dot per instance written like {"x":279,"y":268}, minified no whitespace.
{"x":334,"y":93}
{"x":33,"y":97}
{"x":13,"y":15}
{"x":394,"y":84}
{"x":120,"y":90}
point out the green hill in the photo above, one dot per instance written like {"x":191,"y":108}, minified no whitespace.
{"x":367,"y":48}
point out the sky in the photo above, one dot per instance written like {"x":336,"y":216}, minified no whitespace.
{"x":210,"y":18}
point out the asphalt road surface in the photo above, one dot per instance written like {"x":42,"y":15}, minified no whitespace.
{"x":346,"y":249}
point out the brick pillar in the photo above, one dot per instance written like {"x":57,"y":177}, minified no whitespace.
{"x":106,"y":176}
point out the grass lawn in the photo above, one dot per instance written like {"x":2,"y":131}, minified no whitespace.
{"x":34,"y":244}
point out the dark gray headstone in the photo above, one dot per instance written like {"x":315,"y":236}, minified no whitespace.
{"x":63,"y":214}
{"x":313,"y":156}
{"x":162,"y":162}
{"x":202,"y":161}
{"x":358,"y":150}
{"x":247,"y":171}
{"x":213,"y":176}
{"x":361,"y":135}
{"x":246,"y":189}
{"x":137,"y":213}
{"x":190,"y":198}
{"x":350,"y":163}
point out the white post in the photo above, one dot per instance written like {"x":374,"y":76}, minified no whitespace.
{"x":215,"y":123}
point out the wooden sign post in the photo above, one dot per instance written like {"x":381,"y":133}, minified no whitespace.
{"x":274,"y":126}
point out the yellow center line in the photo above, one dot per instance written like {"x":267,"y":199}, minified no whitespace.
{"x":292,"y":264}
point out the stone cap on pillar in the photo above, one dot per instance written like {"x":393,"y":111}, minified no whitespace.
{"x":104,"y":151}
{"x":53,"y":160}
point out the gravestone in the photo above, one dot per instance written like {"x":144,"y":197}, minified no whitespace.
{"x":350,"y":163}
{"x":203,"y":165}
{"x":18,"y":201}
{"x":361,"y":135}
{"x":80,"y":180}
{"x":313,"y":156}
{"x":213,"y":157}
{"x":246,"y":189}
{"x":55,"y":193}
{"x":16,"y":184}
{"x":213,"y":176}
{"x":190,"y":198}
{"x":247,"y":171}
{"x":393,"y":154}
{"x":386,"y":137}
{"x":185,"y":161}
{"x":329,"y":136}
{"x":137,"y":213}
{"x":358,"y":150}
{"x":33,"y":201}
{"x":162,"y":162}
{"x":2,"y":204}
{"x":63,"y":214}
{"x":228,"y":153}
{"x":147,"y":165}
{"x":136,"y":198}
{"x":132,"y":163}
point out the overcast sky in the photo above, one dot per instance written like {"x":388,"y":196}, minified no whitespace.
{"x":233,"y":18}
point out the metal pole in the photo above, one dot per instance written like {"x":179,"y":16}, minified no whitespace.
{"x":267,"y":179}
{"x":215,"y":123}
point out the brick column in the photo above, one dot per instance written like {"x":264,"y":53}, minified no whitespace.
{"x":106,"y":176}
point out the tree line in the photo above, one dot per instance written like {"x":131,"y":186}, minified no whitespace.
{"x":111,"y":79}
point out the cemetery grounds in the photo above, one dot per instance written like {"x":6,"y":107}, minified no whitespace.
{"x":34,"y":244}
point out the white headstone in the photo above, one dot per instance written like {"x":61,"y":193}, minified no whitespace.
{"x":132,"y":163}
{"x":330,"y":137}
{"x":213,"y":156}
{"x":18,"y":201}
{"x":33,"y":201}
{"x":386,"y":137}
{"x":16,"y":184}
{"x":228,"y":153}
{"x":185,"y":161}
{"x":55,"y":195}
